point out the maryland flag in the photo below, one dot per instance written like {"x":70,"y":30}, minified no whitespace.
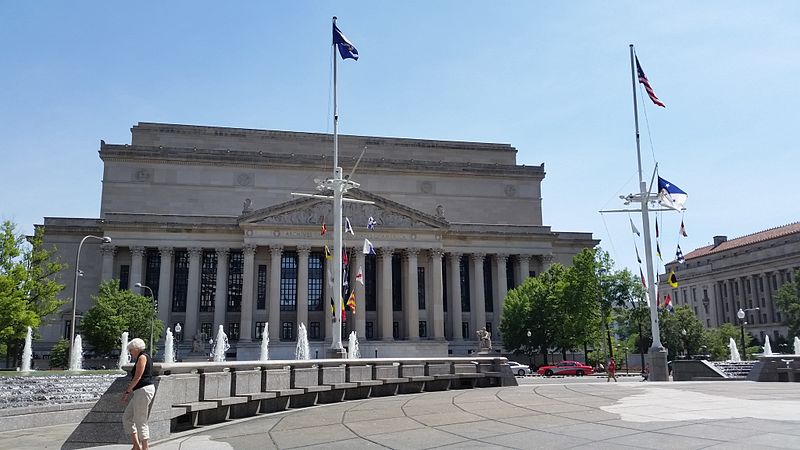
{"x":327,"y":252}
{"x":324,"y":228}
{"x":351,"y":302}
{"x":673,"y":280}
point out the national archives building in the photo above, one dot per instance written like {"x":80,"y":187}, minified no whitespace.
{"x":746,"y":272}
{"x":205,"y":217}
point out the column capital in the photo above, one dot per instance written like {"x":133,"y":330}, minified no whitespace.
{"x":249,"y":249}
{"x":547,"y":259}
{"x":408,"y":252}
{"x":303,"y":250}
{"x":436,"y":253}
{"x":166,"y":251}
{"x":222,"y":252}
{"x":501,"y":257}
{"x":524,"y":256}
{"x":478,"y":257}
{"x":453,"y":256}
{"x":137,"y":250}
{"x":194,"y":251}
{"x":384,"y":252}
{"x":108,"y":249}
{"x":276,"y":250}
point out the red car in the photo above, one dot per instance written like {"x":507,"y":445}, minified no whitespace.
{"x":566,"y":368}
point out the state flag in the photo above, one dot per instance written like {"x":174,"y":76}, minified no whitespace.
{"x":346,"y":48}
{"x":672,"y":279}
{"x":670,"y":195}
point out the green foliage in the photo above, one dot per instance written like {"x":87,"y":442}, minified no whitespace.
{"x":788,"y":301}
{"x":672,"y":326}
{"x":27,"y":286}
{"x":717,"y":341}
{"x":59,"y":355}
{"x":115,"y":311}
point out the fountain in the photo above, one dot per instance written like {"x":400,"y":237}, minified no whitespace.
{"x":76,"y":355}
{"x":265,"y":343}
{"x":734,"y":351}
{"x":797,"y":345}
{"x":352,"y":347}
{"x":302,"y":351}
{"x":124,"y":356}
{"x":27,"y":354}
{"x":220,"y":346}
{"x":767,"y":346}
{"x":169,"y":347}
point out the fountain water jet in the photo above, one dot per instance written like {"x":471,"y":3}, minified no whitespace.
{"x":27,"y":354}
{"x":124,"y":356}
{"x":767,"y":346}
{"x":302,"y":351}
{"x":169,"y":347}
{"x":797,"y":345}
{"x":221,"y":346}
{"x":352,"y":346}
{"x":76,"y":355}
{"x":264,"y":343}
{"x":734,"y":351}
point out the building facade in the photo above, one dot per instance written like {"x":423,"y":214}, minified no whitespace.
{"x":205,"y":217}
{"x":717,"y":280}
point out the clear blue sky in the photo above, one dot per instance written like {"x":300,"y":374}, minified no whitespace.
{"x":550,"y":78}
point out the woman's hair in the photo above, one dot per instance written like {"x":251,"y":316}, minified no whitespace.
{"x":137,"y":344}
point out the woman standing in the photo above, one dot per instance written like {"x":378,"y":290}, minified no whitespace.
{"x":139,"y":394}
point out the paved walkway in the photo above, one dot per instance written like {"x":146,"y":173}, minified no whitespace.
{"x":542,"y":413}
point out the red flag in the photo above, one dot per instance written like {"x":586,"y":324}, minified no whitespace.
{"x":641,"y":274}
{"x":345,"y":259}
{"x":643,"y":79}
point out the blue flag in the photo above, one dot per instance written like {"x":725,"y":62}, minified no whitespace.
{"x":346,"y":49}
{"x":670,"y":195}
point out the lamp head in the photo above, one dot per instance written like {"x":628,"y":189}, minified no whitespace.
{"x":139,"y":285}
{"x":106,"y":240}
{"x":529,"y":333}
{"x":740,"y":314}
{"x":178,"y":327}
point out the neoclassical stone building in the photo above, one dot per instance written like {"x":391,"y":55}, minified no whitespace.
{"x":205,"y":217}
{"x":745,"y":272}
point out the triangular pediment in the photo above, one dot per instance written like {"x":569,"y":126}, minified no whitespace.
{"x":311,"y":211}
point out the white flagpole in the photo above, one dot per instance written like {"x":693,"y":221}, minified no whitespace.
{"x":657,"y":354}
{"x":336,"y":329}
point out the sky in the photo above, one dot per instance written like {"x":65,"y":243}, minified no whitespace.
{"x":550,"y":78}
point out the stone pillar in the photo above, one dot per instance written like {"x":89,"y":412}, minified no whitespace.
{"x":437,"y":303}
{"x":302,"y":285}
{"x":411,"y":295}
{"x":768,"y":294}
{"x":500,"y":290}
{"x":547,"y":261}
{"x":165,"y":284}
{"x":361,"y":301}
{"x":107,"y":271}
{"x":193,"y":292}
{"x":455,"y":295}
{"x":385,"y":299}
{"x":478,"y":297}
{"x":221,"y":292}
{"x":524,"y":268}
{"x":274,"y":299}
{"x":137,"y":262}
{"x":248,"y":279}
{"x":757,"y":296}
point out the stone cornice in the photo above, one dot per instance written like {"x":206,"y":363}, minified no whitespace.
{"x":260,"y":159}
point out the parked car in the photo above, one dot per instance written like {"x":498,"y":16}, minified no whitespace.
{"x":566,"y":368}
{"x":519,"y":369}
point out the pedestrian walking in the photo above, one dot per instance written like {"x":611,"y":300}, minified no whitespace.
{"x":612,"y":370}
{"x":139,"y":393}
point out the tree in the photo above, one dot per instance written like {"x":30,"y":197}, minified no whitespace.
{"x":788,"y":301}
{"x":59,"y":355}
{"x":672,"y":326}
{"x":617,"y":290}
{"x":27,"y":286}
{"x":116,"y":311}
{"x":580,"y":315}
{"x":717,"y":341}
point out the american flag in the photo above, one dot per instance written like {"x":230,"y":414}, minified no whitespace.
{"x":643,"y":79}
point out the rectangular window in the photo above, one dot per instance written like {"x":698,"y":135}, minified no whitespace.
{"x":764,"y":318}
{"x":261,"y":288}
{"x":260,"y":330}
{"x":316,"y":281}
{"x":488,"y":288}
{"x":180,"y":280}
{"x":761,"y":284}
{"x":705,"y":294}
{"x":208,"y":280}
{"x":124,"y":277}
{"x":694,"y":294}
{"x":735,"y":288}
{"x":314,"y":331}
{"x":233,"y":331}
{"x":397,"y":283}
{"x":396,"y":330}
{"x":288,"y":296}
{"x":774,"y":282}
{"x":695,"y":310}
{"x":370,"y":330}
{"x":423,"y":329}
{"x":287,"y":331}
{"x":152,"y":272}
{"x":724,"y":290}
{"x":205,"y":330}
{"x":685,"y":300}
{"x":708,"y":323}
{"x":510,"y":276}
{"x":370,"y":285}
{"x":67,"y":329}
{"x":444,"y":284}
{"x":747,"y":286}
{"x":235,"y":280}
{"x":489,"y":327}
{"x":464,"y":272}
{"x":421,"y":287}
{"x":465,"y":330}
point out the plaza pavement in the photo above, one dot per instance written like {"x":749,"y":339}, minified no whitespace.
{"x":540,"y":413}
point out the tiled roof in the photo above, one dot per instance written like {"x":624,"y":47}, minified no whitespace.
{"x":772,"y":233}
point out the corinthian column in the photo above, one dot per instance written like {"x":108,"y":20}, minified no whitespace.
{"x":221,"y":293}
{"x":411,"y":297}
{"x":455,"y":295}
{"x":478,"y":295}
{"x":193,"y":292}
{"x":248,"y":277}
{"x":165,"y":284}
{"x":385,"y":300}
{"x":302,"y":285}
{"x":275,"y":292}
{"x":524,"y":267}
{"x":500,"y":289}
{"x":108,"y":251}
{"x":437,"y":307}
{"x":137,"y":261}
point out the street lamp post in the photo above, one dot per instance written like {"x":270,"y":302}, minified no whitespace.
{"x":530,"y":351}
{"x":685,"y":344}
{"x":740,"y":314}
{"x":153,"y":299}
{"x":625,"y":349}
{"x":178,"y":330}
{"x":106,"y":240}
